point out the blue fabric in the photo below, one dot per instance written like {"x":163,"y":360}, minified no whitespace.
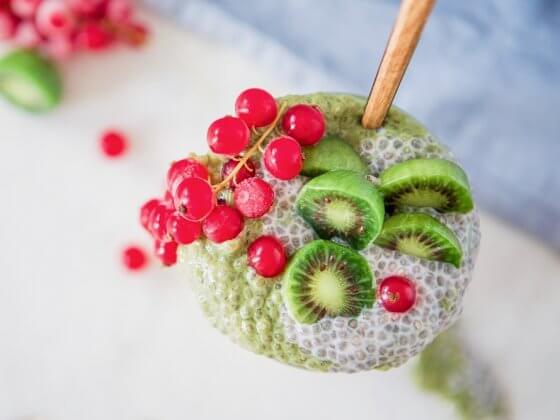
{"x":485,"y":79}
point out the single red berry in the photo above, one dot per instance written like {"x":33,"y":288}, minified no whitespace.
{"x":223,"y":224}
{"x":256,"y":107}
{"x":94,"y":37}
{"x":134,"y":258}
{"x":246,"y":171}
{"x":25,"y":9}
{"x":183,"y":231}
{"x":228,"y":136}
{"x":118,"y":10}
{"x":305,"y":123}
{"x":167,"y":252}
{"x":26,"y":35}
{"x":185,"y":168}
{"x":54,"y":17}
{"x":145,"y":211}
{"x":397,"y":294}
{"x":253,"y":197}
{"x":267,"y":256}
{"x":8,"y":25}
{"x":157,"y":221}
{"x":194,"y":199}
{"x":283,"y":158}
{"x":113,"y":143}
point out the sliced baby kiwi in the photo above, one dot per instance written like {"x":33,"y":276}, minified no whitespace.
{"x":331,"y":153}
{"x":342,"y":204}
{"x":435,"y":183}
{"x":30,"y":81}
{"x":327,"y":279}
{"x":422,"y":236}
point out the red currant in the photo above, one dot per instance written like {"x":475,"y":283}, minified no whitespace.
{"x":397,"y":294}
{"x":194,"y":199}
{"x":8,"y":24}
{"x":27,"y":35}
{"x":167,"y":252}
{"x":113,"y":143}
{"x":25,"y":9}
{"x":305,"y":123}
{"x":223,"y":224}
{"x":157,"y":221}
{"x":54,"y":17}
{"x":145,"y":211}
{"x":183,"y":231}
{"x":185,"y":168}
{"x":253,"y":197}
{"x":94,"y":37}
{"x":267,"y":256}
{"x":256,"y":107}
{"x":246,"y":171}
{"x":118,"y":10}
{"x":228,"y":136}
{"x":283,"y":158}
{"x":134,"y":258}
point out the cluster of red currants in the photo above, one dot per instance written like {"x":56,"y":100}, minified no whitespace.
{"x":60,"y":27}
{"x":191,"y":208}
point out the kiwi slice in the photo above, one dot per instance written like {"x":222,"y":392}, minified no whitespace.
{"x":30,"y":81}
{"x":324,"y":278}
{"x":331,"y":153}
{"x":435,"y":183}
{"x":342,"y":204}
{"x":422,"y":236}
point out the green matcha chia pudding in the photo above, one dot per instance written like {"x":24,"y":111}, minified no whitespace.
{"x":380,"y":234}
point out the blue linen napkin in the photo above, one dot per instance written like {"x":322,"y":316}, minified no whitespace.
{"x":485,"y":78}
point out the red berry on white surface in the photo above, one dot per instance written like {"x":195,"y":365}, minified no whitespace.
{"x":283,"y":158}
{"x":182,"y":169}
{"x":166,"y":251}
{"x":25,"y":9}
{"x":397,"y":294}
{"x":266,"y":255}
{"x":228,"y":136}
{"x":54,"y":17}
{"x":183,"y":231}
{"x":134,"y":258}
{"x":146,"y":210}
{"x":113,"y":143}
{"x":59,"y":47}
{"x":305,"y":123}
{"x":94,"y":37}
{"x":253,"y":197}
{"x":26,"y":35}
{"x":8,"y":25}
{"x":246,"y":171}
{"x":194,"y":199}
{"x":223,"y":224}
{"x":157,"y":221}
{"x":256,"y":107}
{"x":118,"y":10}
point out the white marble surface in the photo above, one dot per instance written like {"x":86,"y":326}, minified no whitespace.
{"x":82,"y":339}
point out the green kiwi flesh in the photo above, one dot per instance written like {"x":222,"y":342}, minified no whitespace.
{"x":422,"y":236}
{"x":330,"y":154}
{"x":327,"y":279}
{"x":30,"y":81}
{"x":342,"y":204}
{"x":435,"y":183}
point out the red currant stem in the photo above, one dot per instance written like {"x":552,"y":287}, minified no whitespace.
{"x":257,"y":146}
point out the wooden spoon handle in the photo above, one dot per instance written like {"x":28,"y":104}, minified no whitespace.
{"x":412,"y":16}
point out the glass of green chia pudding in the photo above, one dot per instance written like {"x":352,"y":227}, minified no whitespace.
{"x":317,"y":242}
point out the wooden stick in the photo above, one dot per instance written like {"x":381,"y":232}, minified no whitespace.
{"x":412,"y":16}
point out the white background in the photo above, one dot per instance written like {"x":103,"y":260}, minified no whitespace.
{"x":80,"y":338}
